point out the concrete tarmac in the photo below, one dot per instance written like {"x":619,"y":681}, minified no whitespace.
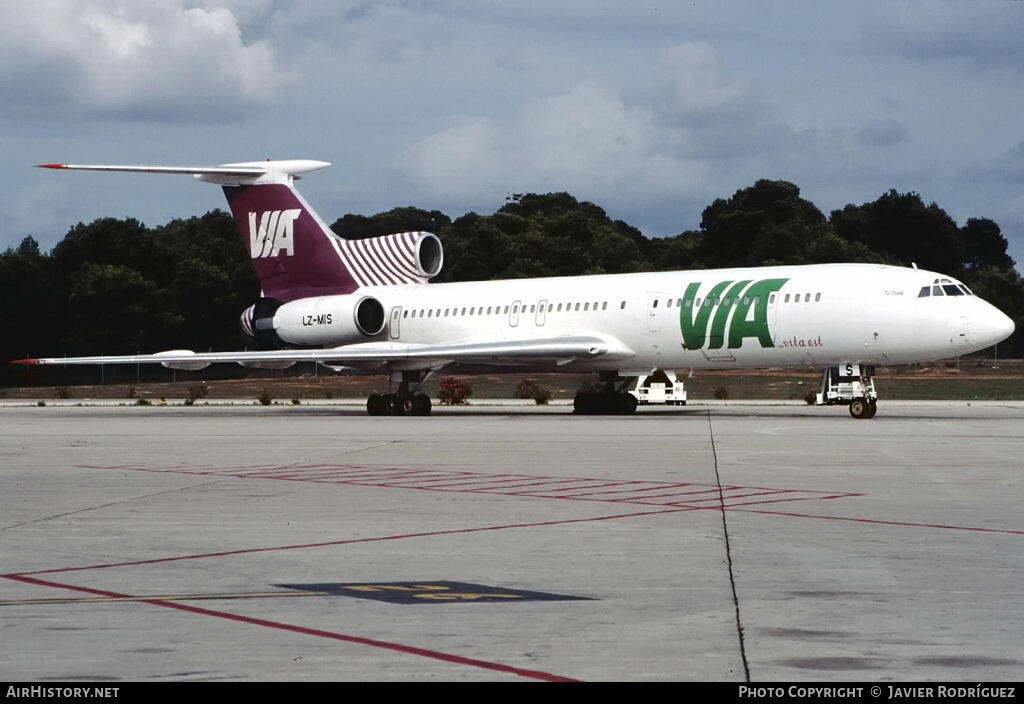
{"x":713,"y":543}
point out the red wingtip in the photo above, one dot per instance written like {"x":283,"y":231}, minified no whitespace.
{"x":24,"y":361}
{"x":52,"y":166}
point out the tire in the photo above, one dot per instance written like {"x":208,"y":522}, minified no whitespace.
{"x":626,"y":404}
{"x":407,"y":406}
{"x":421,"y":405}
{"x":860,"y":408}
{"x":375,"y":405}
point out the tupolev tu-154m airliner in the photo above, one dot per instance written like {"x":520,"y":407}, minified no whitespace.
{"x":366,"y":307}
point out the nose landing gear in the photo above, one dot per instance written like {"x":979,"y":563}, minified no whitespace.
{"x":863,"y":408}
{"x":849,"y":385}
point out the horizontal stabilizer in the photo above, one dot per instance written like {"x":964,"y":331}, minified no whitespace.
{"x":245,"y":173}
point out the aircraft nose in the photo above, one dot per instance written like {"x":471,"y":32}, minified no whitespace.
{"x":990,"y":325}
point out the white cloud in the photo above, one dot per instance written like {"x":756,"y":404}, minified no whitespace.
{"x":650,"y":140}
{"x":693,"y":89}
{"x":462,"y":159}
{"x":586,"y":133}
{"x":144,"y":60}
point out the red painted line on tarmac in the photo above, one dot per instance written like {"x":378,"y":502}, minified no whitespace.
{"x":649,"y":487}
{"x":579,"y":489}
{"x":462,"y":480}
{"x":731,"y":497}
{"x":358,"y":640}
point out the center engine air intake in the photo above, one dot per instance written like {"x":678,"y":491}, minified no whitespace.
{"x":391,"y":260}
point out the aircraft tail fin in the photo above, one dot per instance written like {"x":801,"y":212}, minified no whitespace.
{"x":294,"y":253}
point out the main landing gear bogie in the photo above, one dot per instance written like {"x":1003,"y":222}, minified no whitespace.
{"x":609,"y":401}
{"x":398,"y":405}
{"x":599,"y":403}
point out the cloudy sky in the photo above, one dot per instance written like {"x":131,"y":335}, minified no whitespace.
{"x":649,"y":109}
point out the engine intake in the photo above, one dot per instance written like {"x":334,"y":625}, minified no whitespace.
{"x":429,"y":255}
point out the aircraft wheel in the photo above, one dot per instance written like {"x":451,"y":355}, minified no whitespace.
{"x":375,"y":405}
{"x":860,"y":408}
{"x":587,"y":403}
{"x":421,"y":405}
{"x":391,"y":405}
{"x":406,"y":406}
{"x":872,"y":407}
{"x":626,"y":404}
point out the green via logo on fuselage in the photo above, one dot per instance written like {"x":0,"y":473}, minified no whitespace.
{"x":727,"y":297}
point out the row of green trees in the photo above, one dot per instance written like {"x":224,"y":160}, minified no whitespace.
{"x":117,"y":286}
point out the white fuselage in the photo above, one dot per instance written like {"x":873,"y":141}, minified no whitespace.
{"x":818,"y":315}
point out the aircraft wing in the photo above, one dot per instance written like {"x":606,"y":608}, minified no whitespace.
{"x":556,"y":350}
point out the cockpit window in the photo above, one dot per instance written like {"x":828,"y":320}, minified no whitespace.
{"x":944,"y":287}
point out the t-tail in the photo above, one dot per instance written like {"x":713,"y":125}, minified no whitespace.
{"x":293,"y":251}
